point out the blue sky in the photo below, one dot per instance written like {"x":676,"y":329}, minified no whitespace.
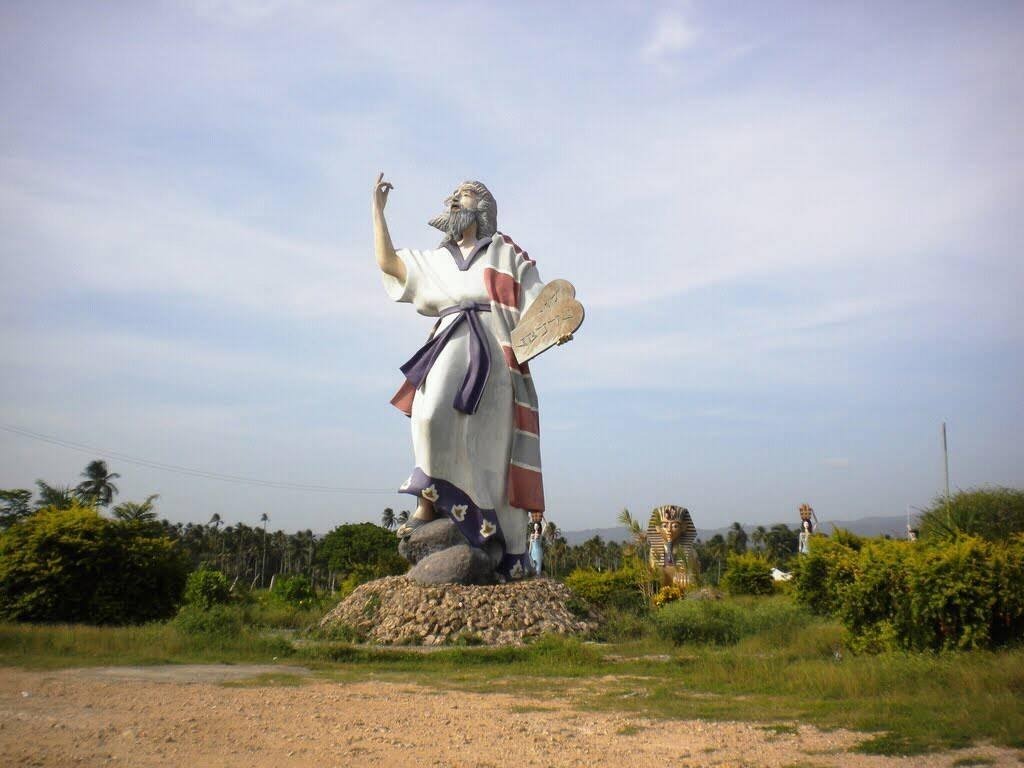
{"x":795,"y":227}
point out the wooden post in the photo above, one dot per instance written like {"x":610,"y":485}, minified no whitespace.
{"x":945,"y":459}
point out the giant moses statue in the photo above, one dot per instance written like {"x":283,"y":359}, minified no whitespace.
{"x":475,"y":425}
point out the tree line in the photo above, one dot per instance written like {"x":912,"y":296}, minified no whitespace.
{"x":254,"y":555}
{"x":249,"y":555}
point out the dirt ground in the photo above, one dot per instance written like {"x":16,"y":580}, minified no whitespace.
{"x":194,"y":716}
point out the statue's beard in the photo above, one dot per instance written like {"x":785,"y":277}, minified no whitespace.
{"x":455,"y":223}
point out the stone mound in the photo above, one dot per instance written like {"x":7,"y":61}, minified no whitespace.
{"x":397,"y":611}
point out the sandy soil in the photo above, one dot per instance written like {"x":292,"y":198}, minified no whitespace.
{"x":188,"y":716}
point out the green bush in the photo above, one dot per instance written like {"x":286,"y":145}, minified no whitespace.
{"x":73,"y":565}
{"x":266,"y":610}
{"x":723,"y":622}
{"x":362,"y":548}
{"x":206,"y":588}
{"x":700,"y":621}
{"x":747,"y":574}
{"x":295,"y":590}
{"x":217,"y":621}
{"x":873,"y":604}
{"x":820,"y":575}
{"x":344,"y":633}
{"x":966,"y":594}
{"x":963,"y":593}
{"x":608,"y":589}
{"x":991,"y":513}
{"x":618,"y":626}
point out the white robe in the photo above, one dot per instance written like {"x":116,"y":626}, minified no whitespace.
{"x":469,"y":451}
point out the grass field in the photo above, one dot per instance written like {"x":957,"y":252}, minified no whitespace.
{"x":780,"y":675}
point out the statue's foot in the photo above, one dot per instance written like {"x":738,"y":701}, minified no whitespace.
{"x":405,"y":530}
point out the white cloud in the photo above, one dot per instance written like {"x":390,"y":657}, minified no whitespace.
{"x":124,"y":234}
{"x":253,"y":11}
{"x":672,"y":34}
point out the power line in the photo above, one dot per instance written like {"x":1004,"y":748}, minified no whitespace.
{"x":181,"y":470}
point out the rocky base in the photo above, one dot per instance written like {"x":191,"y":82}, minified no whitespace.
{"x":398,"y":611}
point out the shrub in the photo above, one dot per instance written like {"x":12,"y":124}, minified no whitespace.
{"x":873,"y":603}
{"x":72,"y":565}
{"x":296,"y":590}
{"x":747,"y":574}
{"x":667,"y":595}
{"x":991,"y":513}
{"x":618,"y":626}
{"x":963,"y":593}
{"x":608,"y":589}
{"x":342,"y":633}
{"x":217,"y":621}
{"x":724,"y":622}
{"x":819,"y":576}
{"x":954,"y":595}
{"x":206,"y":588}
{"x":699,"y":621}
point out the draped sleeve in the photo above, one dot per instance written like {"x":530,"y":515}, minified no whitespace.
{"x":418,"y":288}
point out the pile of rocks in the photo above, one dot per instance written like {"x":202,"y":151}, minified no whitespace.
{"x":399,"y":611}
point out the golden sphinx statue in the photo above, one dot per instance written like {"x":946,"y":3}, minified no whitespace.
{"x":670,"y":536}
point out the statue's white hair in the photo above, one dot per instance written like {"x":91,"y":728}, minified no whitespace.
{"x":486,"y":212}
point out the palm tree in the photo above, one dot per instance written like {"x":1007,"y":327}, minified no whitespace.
{"x":14,"y":506}
{"x":134,"y":512}
{"x":216,"y":523}
{"x":279,"y":546}
{"x":781,"y":543}
{"x":593,"y":552}
{"x":403,"y":517}
{"x":311,"y":540}
{"x":717,"y":548}
{"x":556,"y":554}
{"x":97,"y":487}
{"x":551,"y":532}
{"x":759,"y":537}
{"x":736,"y":538}
{"x":264,"y":518}
{"x":614,"y":552}
{"x":56,"y":496}
{"x":637,"y":531}
{"x":387,"y":518}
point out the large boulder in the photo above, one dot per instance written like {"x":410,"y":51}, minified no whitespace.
{"x":432,"y":537}
{"x":458,"y":564}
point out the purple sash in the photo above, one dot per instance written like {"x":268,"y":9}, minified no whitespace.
{"x":472,"y":389}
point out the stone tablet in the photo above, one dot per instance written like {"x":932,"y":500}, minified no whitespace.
{"x":552,"y":315}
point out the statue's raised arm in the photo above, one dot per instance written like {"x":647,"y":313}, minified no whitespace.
{"x":384,"y":250}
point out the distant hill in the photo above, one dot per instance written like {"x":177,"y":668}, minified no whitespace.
{"x":865,"y":526}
